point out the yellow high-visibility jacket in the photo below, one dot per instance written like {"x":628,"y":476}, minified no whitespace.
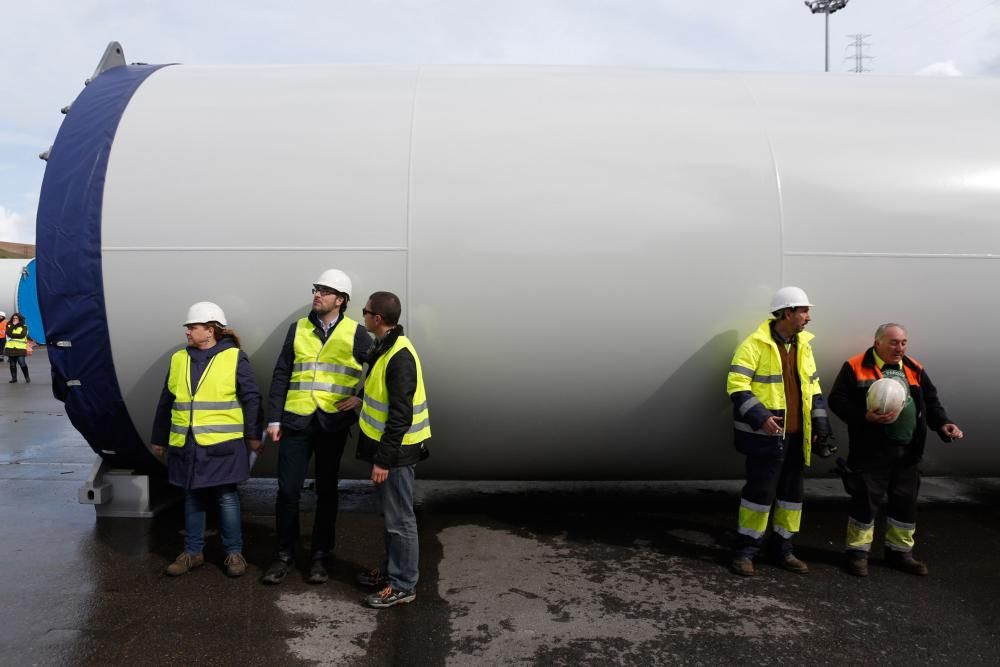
{"x":756,"y":386}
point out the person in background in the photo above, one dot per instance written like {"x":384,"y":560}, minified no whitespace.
{"x":209,"y":413}
{"x":3,"y":332}
{"x":16,"y":347}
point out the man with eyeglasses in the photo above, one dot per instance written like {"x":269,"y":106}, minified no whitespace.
{"x":312,"y":408}
{"x":395,"y":428}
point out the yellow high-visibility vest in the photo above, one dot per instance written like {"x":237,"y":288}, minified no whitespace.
{"x":375,"y":410}
{"x":19,"y":343}
{"x":212,"y":411}
{"x":323,"y":374}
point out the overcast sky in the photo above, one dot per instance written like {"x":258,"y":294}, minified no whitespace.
{"x":48,"y":48}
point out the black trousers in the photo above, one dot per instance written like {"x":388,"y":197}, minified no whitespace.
{"x":294,"y":451}
{"x":14,"y":363}
{"x":869,"y":488}
{"x":774,"y":469}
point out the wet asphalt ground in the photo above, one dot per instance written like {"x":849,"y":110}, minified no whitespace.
{"x":511,"y":573}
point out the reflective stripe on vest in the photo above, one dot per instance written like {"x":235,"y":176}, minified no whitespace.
{"x":212,"y":412}
{"x":323,"y":374}
{"x":375,"y":409}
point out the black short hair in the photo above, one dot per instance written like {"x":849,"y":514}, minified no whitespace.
{"x":387,"y":305}
{"x":347,"y":299}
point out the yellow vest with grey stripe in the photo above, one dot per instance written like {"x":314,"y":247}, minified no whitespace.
{"x":20,"y":342}
{"x":212,"y":411}
{"x":375,"y":410}
{"x":756,"y":367}
{"x":323,"y":374}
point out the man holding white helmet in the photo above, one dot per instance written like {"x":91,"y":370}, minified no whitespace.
{"x":778,"y":412}
{"x":312,"y":408}
{"x":885,"y":448}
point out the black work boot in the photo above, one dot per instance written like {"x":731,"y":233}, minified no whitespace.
{"x":905,"y":562}
{"x":317,"y":571}
{"x":277,"y":572}
{"x":856,"y":565}
{"x":27,"y":377}
{"x":742,"y":566}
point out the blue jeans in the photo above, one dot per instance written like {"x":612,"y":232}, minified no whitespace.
{"x":228,"y":499}
{"x":401,"y":546}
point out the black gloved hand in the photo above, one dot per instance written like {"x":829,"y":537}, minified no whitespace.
{"x":824,"y":446}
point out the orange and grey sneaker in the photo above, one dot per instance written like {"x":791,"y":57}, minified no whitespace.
{"x":387,"y":597}
{"x":185,"y":563}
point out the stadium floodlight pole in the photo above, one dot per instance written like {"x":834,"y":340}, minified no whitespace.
{"x":826,"y":7}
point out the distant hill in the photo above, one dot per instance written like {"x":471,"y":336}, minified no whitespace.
{"x":16,"y":250}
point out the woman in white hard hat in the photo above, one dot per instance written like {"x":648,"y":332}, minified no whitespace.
{"x":209,"y":413}
{"x":16,"y":348}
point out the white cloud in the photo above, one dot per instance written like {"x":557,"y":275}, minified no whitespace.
{"x":15,"y":228}
{"x":944,"y":68}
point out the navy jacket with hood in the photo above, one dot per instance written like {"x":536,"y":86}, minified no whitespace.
{"x":193,"y":466}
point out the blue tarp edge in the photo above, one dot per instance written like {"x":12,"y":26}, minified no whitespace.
{"x":70,"y":277}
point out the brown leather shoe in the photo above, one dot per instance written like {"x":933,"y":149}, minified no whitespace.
{"x":185,"y":563}
{"x":792,"y":564}
{"x":742,"y":567}
{"x":858,"y":566}
{"x":236,"y":565}
{"x":905,"y":562}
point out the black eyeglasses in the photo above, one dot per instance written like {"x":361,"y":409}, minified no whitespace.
{"x":325,"y":291}
{"x":365,"y":311}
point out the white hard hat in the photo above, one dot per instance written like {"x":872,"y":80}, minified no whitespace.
{"x":789,"y":297}
{"x":3,"y":314}
{"x":205,"y":311}
{"x":887,"y":395}
{"x":335,"y":279}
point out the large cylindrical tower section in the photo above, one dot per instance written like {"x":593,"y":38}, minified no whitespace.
{"x":240,"y":185}
{"x":891,"y":188}
{"x":587,"y":248}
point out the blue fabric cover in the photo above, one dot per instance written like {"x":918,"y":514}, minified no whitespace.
{"x":27,"y":302}
{"x":70,"y":280}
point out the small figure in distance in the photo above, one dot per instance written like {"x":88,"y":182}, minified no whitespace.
{"x":16,"y":348}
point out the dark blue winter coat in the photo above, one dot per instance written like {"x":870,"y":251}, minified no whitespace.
{"x":193,"y":466}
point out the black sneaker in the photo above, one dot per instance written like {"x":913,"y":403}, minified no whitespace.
{"x":276,"y":573}
{"x":317,"y":572}
{"x":387,"y":597}
{"x":374,"y":578}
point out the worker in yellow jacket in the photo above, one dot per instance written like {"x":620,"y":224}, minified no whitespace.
{"x":779,"y":413}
